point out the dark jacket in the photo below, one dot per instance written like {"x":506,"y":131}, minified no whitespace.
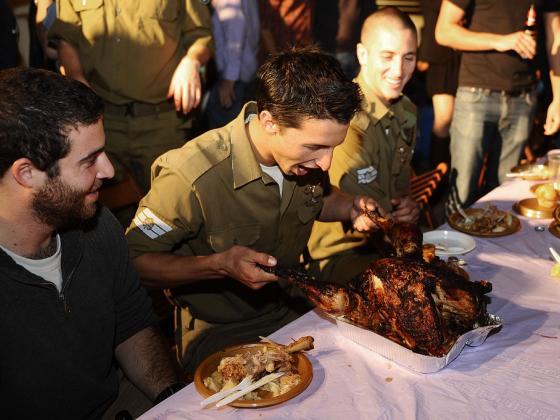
{"x":57,"y":349}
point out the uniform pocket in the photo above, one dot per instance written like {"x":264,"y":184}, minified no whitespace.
{"x":83,"y":5}
{"x":223,"y":240}
{"x":307,"y":213}
{"x":166,"y":10}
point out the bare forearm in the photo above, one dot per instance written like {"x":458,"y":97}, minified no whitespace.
{"x":336,"y":206}
{"x":457,"y":37}
{"x":552,"y":28}
{"x":199,"y":53}
{"x":147,"y":362}
{"x":451,"y":33}
{"x":168,"y":270}
{"x":70,"y":60}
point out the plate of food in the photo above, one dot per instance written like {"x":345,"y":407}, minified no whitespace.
{"x":487,"y":222}
{"x":530,"y":171}
{"x":227,"y":368}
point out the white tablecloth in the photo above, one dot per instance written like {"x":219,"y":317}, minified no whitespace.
{"x":515,"y":374}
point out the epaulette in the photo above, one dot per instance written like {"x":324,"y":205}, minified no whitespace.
{"x":361,"y":121}
{"x":197,"y":156}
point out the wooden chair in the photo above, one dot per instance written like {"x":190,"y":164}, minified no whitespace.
{"x":121,"y":194}
{"x":422,"y":188}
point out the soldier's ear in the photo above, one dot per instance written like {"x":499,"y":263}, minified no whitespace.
{"x":361,"y":53}
{"x":268,"y":122}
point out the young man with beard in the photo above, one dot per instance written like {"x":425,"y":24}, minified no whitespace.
{"x":71,"y":302}
{"x":375,"y":157}
{"x":245,"y":196}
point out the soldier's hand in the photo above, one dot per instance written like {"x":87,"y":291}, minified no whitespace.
{"x":242,"y":264}
{"x":520,"y":42}
{"x":360,"y":221}
{"x":185,"y":87}
{"x":406,"y":209}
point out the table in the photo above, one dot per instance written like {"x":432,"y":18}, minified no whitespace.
{"x":515,"y":374}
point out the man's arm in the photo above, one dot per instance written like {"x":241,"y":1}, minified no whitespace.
{"x":147,"y":362}
{"x":239,"y":262}
{"x":552,"y":31}
{"x":451,"y":33}
{"x":185,"y":87}
{"x":343,"y":207}
{"x":70,"y":62}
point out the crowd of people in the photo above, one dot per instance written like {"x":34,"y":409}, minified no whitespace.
{"x":301,"y":143}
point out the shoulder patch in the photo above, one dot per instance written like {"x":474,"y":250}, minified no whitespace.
{"x":366,"y":175}
{"x":151,"y":225}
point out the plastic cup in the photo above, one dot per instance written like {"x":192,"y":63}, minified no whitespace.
{"x":554,"y":170}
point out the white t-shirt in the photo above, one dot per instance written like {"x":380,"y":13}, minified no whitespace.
{"x":276,"y":174}
{"x":47,"y":268}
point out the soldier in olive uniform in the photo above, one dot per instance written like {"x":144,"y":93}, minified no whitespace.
{"x":374,"y":160}
{"x":136,"y":55}
{"x":245,"y":196}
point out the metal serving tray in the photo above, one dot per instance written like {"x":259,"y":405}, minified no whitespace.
{"x":407,"y":358}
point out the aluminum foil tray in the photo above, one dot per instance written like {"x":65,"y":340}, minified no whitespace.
{"x":407,"y":358}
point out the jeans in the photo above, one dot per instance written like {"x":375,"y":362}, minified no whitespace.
{"x":490,"y":124}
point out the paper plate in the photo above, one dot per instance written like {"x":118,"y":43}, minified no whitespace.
{"x":455,"y":243}
{"x":210,"y":364}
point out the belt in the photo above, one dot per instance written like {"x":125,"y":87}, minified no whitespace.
{"x":513,"y":92}
{"x":137,"y":109}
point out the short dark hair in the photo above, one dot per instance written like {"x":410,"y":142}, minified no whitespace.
{"x":38,"y":108}
{"x":306,"y":83}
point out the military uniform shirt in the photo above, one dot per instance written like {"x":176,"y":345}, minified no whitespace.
{"x":130,"y":49}
{"x":211,"y":195}
{"x":374,"y":160}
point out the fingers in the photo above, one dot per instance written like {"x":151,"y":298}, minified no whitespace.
{"x":245,"y":265}
{"x":525,"y":45}
{"x":263,"y":259}
{"x":552,"y":123}
{"x":408,"y":214}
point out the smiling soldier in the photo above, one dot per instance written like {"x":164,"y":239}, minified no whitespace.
{"x":374,"y":160}
{"x":246,"y":195}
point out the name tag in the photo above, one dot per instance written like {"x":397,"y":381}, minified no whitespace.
{"x":366,"y":175}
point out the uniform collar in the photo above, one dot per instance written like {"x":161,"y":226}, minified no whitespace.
{"x":245,"y":166}
{"x":376,"y":109}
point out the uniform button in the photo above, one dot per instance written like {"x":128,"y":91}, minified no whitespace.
{"x":118,"y":39}
{"x":401,"y":149}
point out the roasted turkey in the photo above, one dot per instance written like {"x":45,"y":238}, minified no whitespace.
{"x":422,"y":305}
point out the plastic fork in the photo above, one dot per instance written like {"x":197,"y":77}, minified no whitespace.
{"x":248,"y":380}
{"x":264,"y":380}
{"x":555,"y":254}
